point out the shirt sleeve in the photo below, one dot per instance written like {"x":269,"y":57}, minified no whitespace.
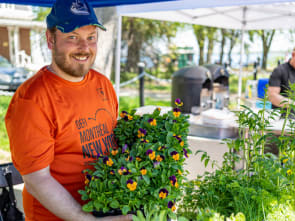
{"x":275,"y":78}
{"x":31,"y":136}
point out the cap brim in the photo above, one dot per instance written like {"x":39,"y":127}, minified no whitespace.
{"x":70,"y":29}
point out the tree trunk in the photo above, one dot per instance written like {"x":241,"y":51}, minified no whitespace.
{"x":134,"y":45}
{"x":232,"y":41}
{"x":106,"y":40}
{"x":229,"y":54}
{"x":210,"y":50}
{"x":201,"y":55}
{"x":222,"y":45}
{"x":267,"y":37}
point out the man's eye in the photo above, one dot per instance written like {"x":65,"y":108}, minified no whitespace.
{"x":91,"y":38}
{"x":72,"y":37}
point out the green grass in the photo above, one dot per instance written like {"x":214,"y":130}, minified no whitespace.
{"x":4,"y":102}
{"x":129,"y":103}
{"x":150,"y":85}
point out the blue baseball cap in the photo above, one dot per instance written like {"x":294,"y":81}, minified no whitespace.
{"x":68,"y":15}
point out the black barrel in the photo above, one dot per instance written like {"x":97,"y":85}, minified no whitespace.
{"x":219,"y":74}
{"x":187,"y":84}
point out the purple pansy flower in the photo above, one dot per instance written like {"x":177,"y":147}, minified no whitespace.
{"x":173,"y":153}
{"x":124,"y":148}
{"x":185,"y":152}
{"x":144,"y":141}
{"x":176,"y":109}
{"x":178,"y":138}
{"x":141,"y":132}
{"x":156,"y":163}
{"x":178,"y":102}
{"x":123,"y":171}
{"x":163,"y":193}
{"x":105,"y":160}
{"x":161,"y":148}
{"x":173,"y":179}
{"x":130,"y":181}
{"x":88,"y":176}
{"x":170,"y":204}
{"x":149,"y":151}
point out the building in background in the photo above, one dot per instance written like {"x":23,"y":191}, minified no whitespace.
{"x":19,"y":35}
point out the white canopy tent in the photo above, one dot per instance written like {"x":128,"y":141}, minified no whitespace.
{"x":231,"y":14}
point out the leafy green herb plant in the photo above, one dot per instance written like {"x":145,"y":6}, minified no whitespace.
{"x":264,"y":188}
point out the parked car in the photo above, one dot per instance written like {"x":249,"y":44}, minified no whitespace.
{"x":11,"y":77}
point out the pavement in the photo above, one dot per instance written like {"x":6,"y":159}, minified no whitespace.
{"x":5,"y":156}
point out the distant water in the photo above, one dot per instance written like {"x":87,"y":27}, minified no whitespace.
{"x":249,"y":59}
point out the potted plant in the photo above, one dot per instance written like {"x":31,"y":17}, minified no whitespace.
{"x":264,"y":188}
{"x":145,"y":172}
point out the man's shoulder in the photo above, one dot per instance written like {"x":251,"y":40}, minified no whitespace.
{"x":34,"y":86}
{"x":99,"y":76}
{"x":282,"y":69}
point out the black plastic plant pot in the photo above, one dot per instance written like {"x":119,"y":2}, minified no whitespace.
{"x":114,"y":213}
{"x":110,"y":213}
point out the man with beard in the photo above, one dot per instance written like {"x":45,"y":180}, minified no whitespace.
{"x":58,"y":119}
{"x":279,"y":84}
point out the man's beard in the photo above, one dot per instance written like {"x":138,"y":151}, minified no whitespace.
{"x":74,"y":70}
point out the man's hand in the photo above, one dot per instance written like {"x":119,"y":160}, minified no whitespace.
{"x":276,"y":98}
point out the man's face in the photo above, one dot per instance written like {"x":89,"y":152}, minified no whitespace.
{"x":73,"y":53}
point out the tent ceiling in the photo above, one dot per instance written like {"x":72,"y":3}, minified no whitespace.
{"x":273,"y":14}
{"x":94,"y":3}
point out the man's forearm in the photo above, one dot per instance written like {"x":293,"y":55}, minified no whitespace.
{"x":52,"y":195}
{"x":280,"y":101}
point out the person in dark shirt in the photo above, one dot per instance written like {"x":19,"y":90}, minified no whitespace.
{"x":279,"y":83}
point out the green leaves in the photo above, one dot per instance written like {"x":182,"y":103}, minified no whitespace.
{"x":88,"y":207}
{"x":114,"y":204}
{"x":142,"y":165}
{"x":255,"y":192}
{"x":98,"y":206}
{"x":125,"y":209}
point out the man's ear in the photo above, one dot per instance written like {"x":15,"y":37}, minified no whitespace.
{"x":50,"y":39}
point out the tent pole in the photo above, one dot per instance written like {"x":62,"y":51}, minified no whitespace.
{"x":118,"y":57}
{"x":241,"y":57}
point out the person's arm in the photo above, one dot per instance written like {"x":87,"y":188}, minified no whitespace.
{"x":52,"y":195}
{"x":276,"y":98}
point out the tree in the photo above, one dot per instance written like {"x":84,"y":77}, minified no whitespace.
{"x":106,"y":40}
{"x":200,"y":33}
{"x":40,"y":13}
{"x":137,"y":31}
{"x":211,"y":37}
{"x":266,"y":37}
{"x":224,"y":35}
{"x":233,"y":38}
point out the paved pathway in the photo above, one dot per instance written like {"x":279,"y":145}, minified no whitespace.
{"x":4,"y":156}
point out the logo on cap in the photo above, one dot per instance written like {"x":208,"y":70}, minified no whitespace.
{"x":79,"y":8}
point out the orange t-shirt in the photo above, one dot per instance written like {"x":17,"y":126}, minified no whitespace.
{"x":61,"y":124}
